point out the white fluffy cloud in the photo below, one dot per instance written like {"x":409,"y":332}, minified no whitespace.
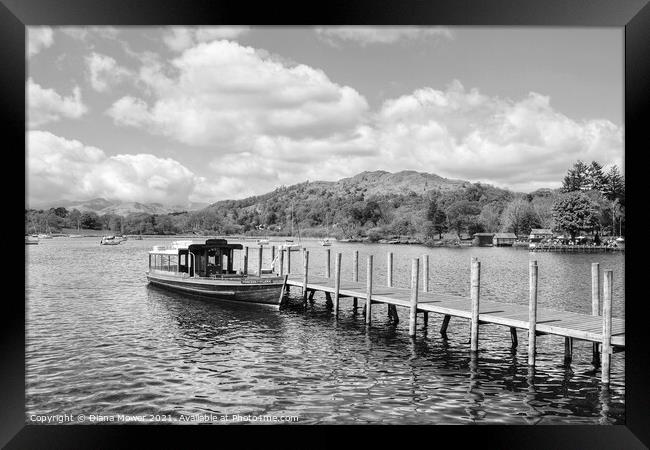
{"x":226,"y":95}
{"x":38,"y":38}
{"x":46,"y":105}
{"x":181,"y":38}
{"x":59,"y":168}
{"x":466,"y":134}
{"x":104,"y":71}
{"x":522,"y":144}
{"x":380,"y":35}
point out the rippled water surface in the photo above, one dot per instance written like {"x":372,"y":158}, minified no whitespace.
{"x":101,"y":341}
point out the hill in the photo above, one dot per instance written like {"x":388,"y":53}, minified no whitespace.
{"x":103,"y":206}
{"x":395,"y":202}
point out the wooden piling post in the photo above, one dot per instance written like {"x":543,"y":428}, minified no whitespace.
{"x":259,"y":261}
{"x":327,"y":263}
{"x":568,"y":349}
{"x":425,"y":273}
{"x":281,"y":262}
{"x":282,"y":292}
{"x":606,"y":347}
{"x":355,"y":276}
{"x":305,"y":272}
{"x":445,"y":324}
{"x":246,"y":260}
{"x":475,"y":295}
{"x":289,"y":260}
{"x":513,"y":337}
{"x":392,"y":309}
{"x":415,"y":274}
{"x":273,"y":257}
{"x":425,"y":286}
{"x":532,"y":312}
{"x":369,"y":290}
{"x":337,"y":283}
{"x":595,"y":303}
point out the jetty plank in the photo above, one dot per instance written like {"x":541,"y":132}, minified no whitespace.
{"x":513,"y":315}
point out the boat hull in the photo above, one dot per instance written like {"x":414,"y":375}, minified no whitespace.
{"x":252,"y":290}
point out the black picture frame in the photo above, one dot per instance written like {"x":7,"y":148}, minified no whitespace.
{"x":633,"y":15}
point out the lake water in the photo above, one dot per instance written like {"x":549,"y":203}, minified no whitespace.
{"x":100,"y":341}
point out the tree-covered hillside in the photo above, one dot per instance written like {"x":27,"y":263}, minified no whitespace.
{"x":377,"y":205}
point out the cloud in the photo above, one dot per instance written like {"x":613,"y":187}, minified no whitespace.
{"x":181,"y":38}
{"x":46,"y":105}
{"x":59,"y":168}
{"x":364,"y":36}
{"x":104,"y":71}
{"x":38,"y":38}
{"x":225,"y":95}
{"x":465,"y":134}
{"x":86,"y":34}
{"x":521,"y":144}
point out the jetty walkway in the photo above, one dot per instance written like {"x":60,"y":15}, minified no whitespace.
{"x":607,"y":333}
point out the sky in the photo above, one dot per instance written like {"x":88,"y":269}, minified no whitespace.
{"x":199,"y":114}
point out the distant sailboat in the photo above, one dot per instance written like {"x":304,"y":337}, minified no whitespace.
{"x":289,"y":242}
{"x":326,"y":242}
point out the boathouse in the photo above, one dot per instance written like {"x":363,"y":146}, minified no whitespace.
{"x":539,"y":234}
{"x":504,"y":239}
{"x":483,"y":239}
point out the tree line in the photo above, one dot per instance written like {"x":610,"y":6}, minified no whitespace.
{"x":590,"y":199}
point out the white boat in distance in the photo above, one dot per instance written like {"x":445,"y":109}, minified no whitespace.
{"x":110,"y":240}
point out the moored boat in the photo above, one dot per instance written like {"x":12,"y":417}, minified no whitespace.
{"x":110,"y":240}
{"x":206,"y":269}
{"x":620,"y":242}
{"x":31,"y":240}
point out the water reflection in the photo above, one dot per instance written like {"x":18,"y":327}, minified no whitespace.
{"x":99,"y":338}
{"x":475,"y":394}
{"x":533,"y":415}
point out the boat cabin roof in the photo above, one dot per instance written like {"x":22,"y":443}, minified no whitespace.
{"x":215,"y":243}
{"x":194,"y":247}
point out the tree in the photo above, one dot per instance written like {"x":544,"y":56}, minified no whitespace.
{"x":60,"y":211}
{"x":90,"y":220}
{"x":595,"y":176}
{"x":461,"y":214}
{"x":614,"y":185}
{"x":115,"y":223}
{"x":437,"y":220}
{"x":574,"y":212}
{"x":490,"y":217}
{"x":74,"y":218}
{"x":577,"y":178}
{"x":543,"y":209}
{"x":519,"y":217}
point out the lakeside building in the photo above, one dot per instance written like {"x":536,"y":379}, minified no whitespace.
{"x":504,"y":239}
{"x":539,"y":234}
{"x":483,"y":239}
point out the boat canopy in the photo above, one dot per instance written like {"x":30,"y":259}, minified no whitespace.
{"x":214,"y":244}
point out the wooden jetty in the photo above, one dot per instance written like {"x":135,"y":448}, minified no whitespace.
{"x":606,"y":332}
{"x":574,"y":248}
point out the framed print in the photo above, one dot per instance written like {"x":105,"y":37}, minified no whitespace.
{"x":350,"y":215}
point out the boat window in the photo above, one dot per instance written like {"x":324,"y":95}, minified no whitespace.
{"x":172,"y":263}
